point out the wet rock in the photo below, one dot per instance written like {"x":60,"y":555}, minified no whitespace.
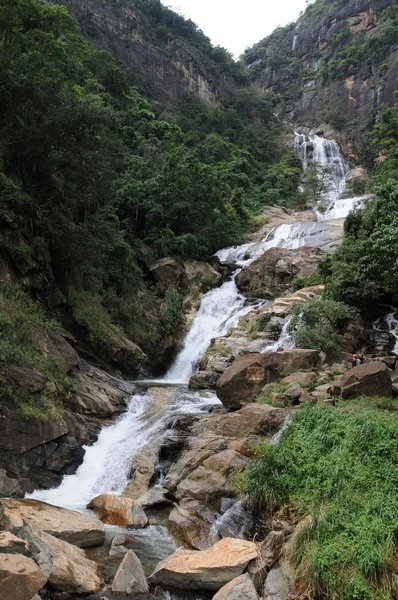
{"x":120,"y":511}
{"x":240,"y":588}
{"x":274,"y":271}
{"x":371,"y":379}
{"x":68,"y":525}
{"x":204,"y":380}
{"x":207,"y":569}
{"x":240,"y":383}
{"x":11,"y":544}
{"x":130,"y":577}
{"x":121,"y":544}
{"x":20,"y":577}
{"x":269,"y":552}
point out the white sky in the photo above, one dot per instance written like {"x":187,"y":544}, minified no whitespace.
{"x":236,"y":24}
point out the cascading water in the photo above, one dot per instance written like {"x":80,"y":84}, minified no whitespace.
{"x":320,"y":150}
{"x":389,"y":324}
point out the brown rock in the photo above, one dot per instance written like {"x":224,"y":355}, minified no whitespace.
{"x":240,"y":383}
{"x":240,"y":588}
{"x":130,"y":577}
{"x":117,"y":510}
{"x":208,"y":569}
{"x":24,"y":376}
{"x":69,"y":525}
{"x":167,"y":270}
{"x":20,"y":577}
{"x":275,"y":270}
{"x":371,"y":379}
{"x":11,"y":544}
{"x":71,"y":571}
{"x":303,"y":378}
{"x":189,"y":528}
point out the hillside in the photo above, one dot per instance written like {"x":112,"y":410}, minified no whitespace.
{"x":334,"y":68}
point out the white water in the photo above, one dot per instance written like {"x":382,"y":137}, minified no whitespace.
{"x":313,"y":148}
{"x":106,"y":464}
{"x":389,"y":323}
{"x":284,"y":342}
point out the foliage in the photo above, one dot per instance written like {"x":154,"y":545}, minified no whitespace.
{"x":87,"y":167}
{"x":173,"y":304}
{"x":21,"y":320}
{"x":316,"y":181}
{"x":317,"y":324}
{"x":319,"y":474}
{"x":364,"y":268}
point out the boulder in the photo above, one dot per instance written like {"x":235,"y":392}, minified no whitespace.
{"x":120,"y":511}
{"x":11,"y":544}
{"x":389,"y":361}
{"x":167,"y":271}
{"x":276,"y":585}
{"x":240,"y":588}
{"x":303,"y":378}
{"x":273,"y":273}
{"x":207,"y":569}
{"x":240,"y":383}
{"x":20,"y":577}
{"x":130,"y":577}
{"x":188,"y":527}
{"x":371,"y":379}
{"x":154,"y":497}
{"x":204,"y":380}
{"x":201,"y":274}
{"x":68,"y":525}
{"x":71,"y":571}
{"x":294,"y":391}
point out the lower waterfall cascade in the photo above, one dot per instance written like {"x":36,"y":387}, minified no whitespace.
{"x":106,"y":464}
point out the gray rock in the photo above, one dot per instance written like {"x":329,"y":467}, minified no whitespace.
{"x":130,"y":577}
{"x":153,"y":497}
{"x":276,"y":585}
{"x":240,"y":588}
{"x":204,"y":380}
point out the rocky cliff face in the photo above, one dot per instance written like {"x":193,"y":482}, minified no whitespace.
{"x":333,"y":68}
{"x":167,"y":56}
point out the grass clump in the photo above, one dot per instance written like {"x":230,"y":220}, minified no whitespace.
{"x":336,"y":472}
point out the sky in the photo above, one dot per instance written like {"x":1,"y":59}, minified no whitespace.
{"x":237,"y":24}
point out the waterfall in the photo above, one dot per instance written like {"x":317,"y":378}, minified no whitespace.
{"x":320,"y":150}
{"x":284,"y":342}
{"x":389,"y":323}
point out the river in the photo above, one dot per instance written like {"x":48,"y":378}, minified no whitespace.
{"x":107,"y":463}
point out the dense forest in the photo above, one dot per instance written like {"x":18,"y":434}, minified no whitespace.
{"x":89,"y":168}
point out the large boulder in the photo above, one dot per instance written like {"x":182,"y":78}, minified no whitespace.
{"x":68,"y":525}
{"x":201,"y":273}
{"x":207,"y":569}
{"x":117,"y":510}
{"x":130,"y":577}
{"x":240,"y":588}
{"x":240,"y":383}
{"x":189,"y":527}
{"x":371,"y":379}
{"x":20,"y":577}
{"x":167,"y":271}
{"x":273,"y":273}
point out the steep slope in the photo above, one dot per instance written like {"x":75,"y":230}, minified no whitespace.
{"x":167,"y":55}
{"x":335,"y":66}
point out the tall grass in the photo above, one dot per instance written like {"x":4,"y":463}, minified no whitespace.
{"x":336,"y":471}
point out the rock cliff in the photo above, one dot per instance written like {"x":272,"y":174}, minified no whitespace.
{"x":333,"y":68}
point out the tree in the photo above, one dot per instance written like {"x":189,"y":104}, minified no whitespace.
{"x":316,"y":181}
{"x":317,"y":324}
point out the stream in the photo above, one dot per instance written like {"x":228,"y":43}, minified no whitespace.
{"x":107,"y":463}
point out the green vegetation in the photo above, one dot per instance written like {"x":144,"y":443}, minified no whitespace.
{"x":89,"y":169}
{"x":317,"y":323}
{"x":23,"y":338}
{"x":316,"y":181}
{"x":335,"y":473}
